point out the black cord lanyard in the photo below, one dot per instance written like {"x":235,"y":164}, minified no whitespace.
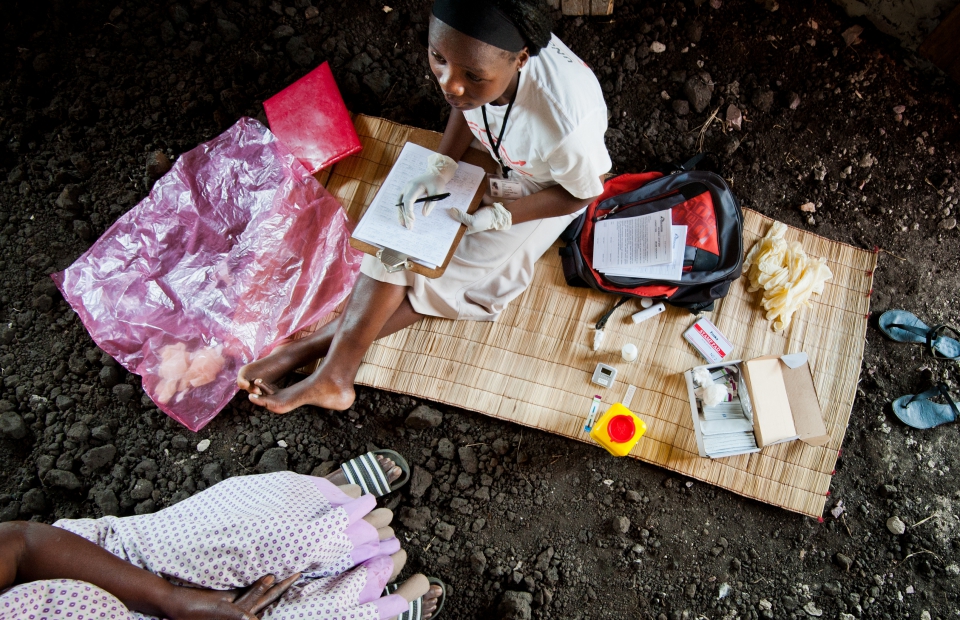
{"x":503,"y":129}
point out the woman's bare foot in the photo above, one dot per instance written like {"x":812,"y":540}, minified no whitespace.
{"x":390,"y":470}
{"x":285,"y":358}
{"x":417,"y":587}
{"x":268,"y":369}
{"x":321,"y":389}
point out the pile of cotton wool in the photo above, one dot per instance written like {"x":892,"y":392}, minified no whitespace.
{"x":785,"y":273}
{"x":180,"y":370}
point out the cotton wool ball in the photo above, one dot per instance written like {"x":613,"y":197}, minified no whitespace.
{"x":713,"y":394}
{"x":701,"y":377}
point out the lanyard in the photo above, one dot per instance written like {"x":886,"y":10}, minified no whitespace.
{"x":503,"y":128}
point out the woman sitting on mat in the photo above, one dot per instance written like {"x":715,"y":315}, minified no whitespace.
{"x":539,"y":111}
{"x":277,"y":545}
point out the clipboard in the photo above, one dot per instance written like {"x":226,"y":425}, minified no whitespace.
{"x":430,"y":140}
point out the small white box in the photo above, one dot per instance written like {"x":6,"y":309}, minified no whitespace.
{"x":707,"y":339}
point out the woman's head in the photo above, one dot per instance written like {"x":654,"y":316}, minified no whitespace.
{"x":476,"y":47}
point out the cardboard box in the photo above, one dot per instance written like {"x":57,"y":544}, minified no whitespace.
{"x":781,"y":400}
{"x":784,"y":400}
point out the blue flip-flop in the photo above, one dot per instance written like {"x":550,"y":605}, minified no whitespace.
{"x":903,"y":326}
{"x":919,"y":411}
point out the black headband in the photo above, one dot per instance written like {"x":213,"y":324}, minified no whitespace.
{"x":482,"y":20}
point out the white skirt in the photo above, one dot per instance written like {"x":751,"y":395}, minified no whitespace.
{"x":488,"y":270}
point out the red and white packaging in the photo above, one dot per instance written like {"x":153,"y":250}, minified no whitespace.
{"x":706,"y":338}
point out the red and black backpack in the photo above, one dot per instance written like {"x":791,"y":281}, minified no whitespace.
{"x":702,"y":201}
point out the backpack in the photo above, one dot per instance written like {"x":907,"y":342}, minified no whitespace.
{"x":700,"y":200}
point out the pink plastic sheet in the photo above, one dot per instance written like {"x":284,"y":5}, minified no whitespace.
{"x":234,"y":249}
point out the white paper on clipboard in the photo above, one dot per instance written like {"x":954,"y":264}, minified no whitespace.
{"x":429,"y":241}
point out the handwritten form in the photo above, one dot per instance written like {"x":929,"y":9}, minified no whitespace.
{"x":429,"y":241}
{"x":671,"y":272}
{"x":633,"y":241}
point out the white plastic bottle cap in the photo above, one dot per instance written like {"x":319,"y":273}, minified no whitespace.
{"x":629,"y":352}
{"x":645,"y":302}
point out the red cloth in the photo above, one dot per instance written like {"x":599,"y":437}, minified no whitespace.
{"x":311,"y":120}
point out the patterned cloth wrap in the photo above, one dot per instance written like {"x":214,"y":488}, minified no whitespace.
{"x":229,"y":536}
{"x":60,"y":598}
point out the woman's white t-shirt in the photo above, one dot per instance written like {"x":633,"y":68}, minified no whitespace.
{"x":555,"y":130}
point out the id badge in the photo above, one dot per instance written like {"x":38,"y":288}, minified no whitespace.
{"x":508,"y":189}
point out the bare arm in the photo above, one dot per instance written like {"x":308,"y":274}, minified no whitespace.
{"x":551,"y":202}
{"x":34,"y":551}
{"x":456,"y":137}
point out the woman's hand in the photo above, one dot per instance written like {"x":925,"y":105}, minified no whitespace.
{"x":493,"y":217}
{"x":199,"y":604}
{"x":35,"y":551}
{"x":440,"y":169}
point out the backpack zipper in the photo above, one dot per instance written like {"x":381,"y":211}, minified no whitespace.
{"x":634,"y":204}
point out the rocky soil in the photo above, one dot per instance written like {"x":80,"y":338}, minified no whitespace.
{"x":831,"y":130}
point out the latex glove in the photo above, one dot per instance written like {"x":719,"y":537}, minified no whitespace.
{"x":440,"y":169}
{"x":494,"y":217}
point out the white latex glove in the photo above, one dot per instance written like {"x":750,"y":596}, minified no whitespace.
{"x":494,"y":217}
{"x":440,"y":169}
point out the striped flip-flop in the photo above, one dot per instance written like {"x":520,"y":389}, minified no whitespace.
{"x":415,"y":612}
{"x":365,"y":471}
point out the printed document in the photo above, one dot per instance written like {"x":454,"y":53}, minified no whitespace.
{"x":429,"y":241}
{"x":633,"y":241}
{"x":671,"y":272}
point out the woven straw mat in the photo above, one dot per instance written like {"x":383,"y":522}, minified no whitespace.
{"x":533,"y":365}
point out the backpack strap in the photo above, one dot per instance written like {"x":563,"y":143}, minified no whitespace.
{"x":606,"y":317}
{"x":694,"y":162}
{"x":691,"y":164}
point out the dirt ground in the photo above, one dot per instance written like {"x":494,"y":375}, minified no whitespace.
{"x":519,"y":523}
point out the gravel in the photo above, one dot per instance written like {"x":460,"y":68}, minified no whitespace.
{"x":12,"y":425}
{"x":420,"y":481}
{"x":274,"y":459}
{"x":896,"y":525}
{"x":424,"y":417}
{"x":92,"y":115}
{"x":516,"y":606}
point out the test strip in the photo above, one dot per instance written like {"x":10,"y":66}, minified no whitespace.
{"x":628,"y":397}
{"x":592,"y":416}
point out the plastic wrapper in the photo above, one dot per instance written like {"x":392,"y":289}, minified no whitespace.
{"x":234,"y":249}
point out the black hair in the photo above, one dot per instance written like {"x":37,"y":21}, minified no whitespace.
{"x":532,"y":19}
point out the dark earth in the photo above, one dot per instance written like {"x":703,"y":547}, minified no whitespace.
{"x":96,"y":98}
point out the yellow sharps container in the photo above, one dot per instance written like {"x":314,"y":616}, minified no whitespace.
{"x":618,"y":430}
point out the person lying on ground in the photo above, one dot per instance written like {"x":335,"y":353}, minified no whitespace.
{"x":277,"y":545}
{"x":516,"y":90}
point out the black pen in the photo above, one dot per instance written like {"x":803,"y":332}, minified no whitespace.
{"x":428,"y":199}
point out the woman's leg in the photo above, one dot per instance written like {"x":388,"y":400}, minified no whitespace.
{"x":295,"y":354}
{"x":418,"y":586}
{"x":372,"y":306}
